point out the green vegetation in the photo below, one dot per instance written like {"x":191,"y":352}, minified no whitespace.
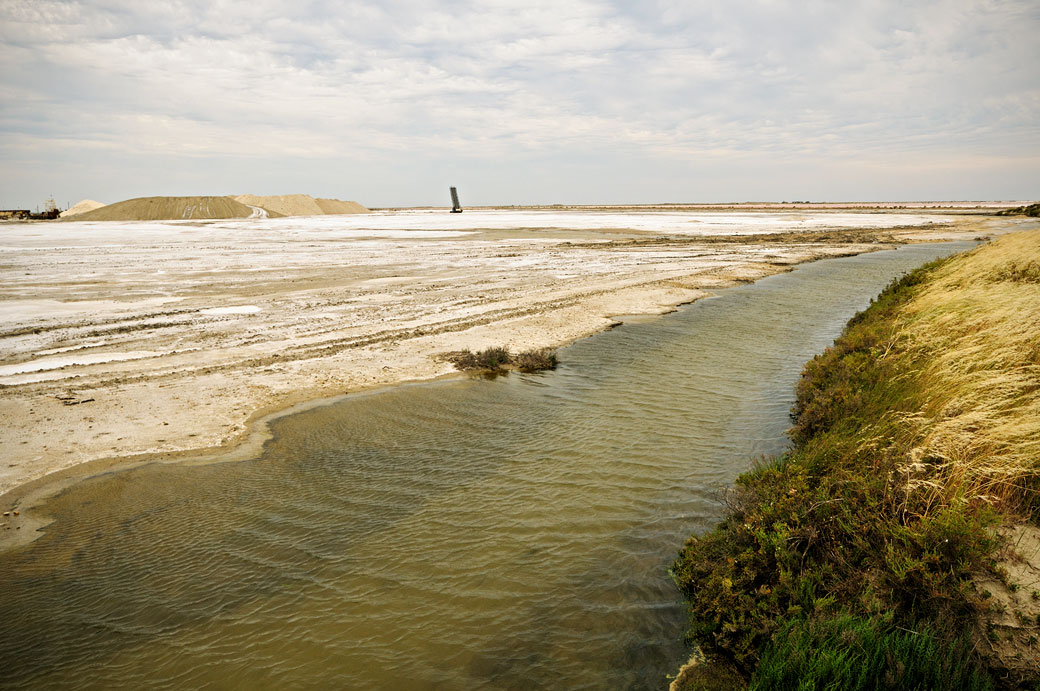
{"x":915,"y":437}
{"x":852,"y":653}
{"x":1030,"y":210}
{"x":499,"y":359}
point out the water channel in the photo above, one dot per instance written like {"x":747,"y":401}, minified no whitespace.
{"x":506,"y":533}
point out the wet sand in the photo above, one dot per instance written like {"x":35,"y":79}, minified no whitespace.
{"x":141,"y":338}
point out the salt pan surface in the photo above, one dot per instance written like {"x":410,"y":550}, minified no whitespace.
{"x":85,"y":359}
{"x":243,"y":309}
{"x":335,"y":304}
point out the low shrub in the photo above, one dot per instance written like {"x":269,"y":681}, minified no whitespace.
{"x":489,"y":360}
{"x":535,"y":360}
{"x":1030,"y":210}
{"x":499,"y":359}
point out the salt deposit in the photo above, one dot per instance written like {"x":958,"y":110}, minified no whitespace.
{"x":244,"y":309}
{"x":686,"y":223}
{"x":301,"y":205}
{"x":331,"y":304}
{"x":81,"y":207}
{"x":28,"y":372}
{"x":59,"y":362}
{"x":337,"y":206}
{"x":161,"y":208}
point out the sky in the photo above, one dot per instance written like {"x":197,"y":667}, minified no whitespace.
{"x":520,"y":101}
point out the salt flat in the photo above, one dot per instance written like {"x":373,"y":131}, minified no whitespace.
{"x":130,"y":338}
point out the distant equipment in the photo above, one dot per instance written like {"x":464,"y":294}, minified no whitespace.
{"x":456,"y":208}
{"x":50,"y":212}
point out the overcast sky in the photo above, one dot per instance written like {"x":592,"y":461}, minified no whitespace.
{"x":520,"y":101}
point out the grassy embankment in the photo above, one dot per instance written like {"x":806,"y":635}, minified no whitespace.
{"x":866,"y":556}
{"x":1030,"y":210}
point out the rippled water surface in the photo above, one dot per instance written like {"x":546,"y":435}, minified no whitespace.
{"x":511,"y":533}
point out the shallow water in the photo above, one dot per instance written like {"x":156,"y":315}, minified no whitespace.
{"x":507,"y":533}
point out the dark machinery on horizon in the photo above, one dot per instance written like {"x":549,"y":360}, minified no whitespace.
{"x":50,"y":212}
{"x":456,"y":208}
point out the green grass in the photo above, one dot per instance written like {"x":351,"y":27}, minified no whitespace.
{"x":853,"y":654}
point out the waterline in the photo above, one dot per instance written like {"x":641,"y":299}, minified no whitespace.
{"x":465,"y":534}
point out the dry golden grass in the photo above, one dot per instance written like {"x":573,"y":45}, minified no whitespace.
{"x":977,"y":326}
{"x":923,"y":412}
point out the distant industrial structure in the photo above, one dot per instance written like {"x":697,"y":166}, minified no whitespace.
{"x":456,"y":208}
{"x":50,"y":211}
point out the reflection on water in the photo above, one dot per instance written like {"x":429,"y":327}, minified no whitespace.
{"x":512,"y":533}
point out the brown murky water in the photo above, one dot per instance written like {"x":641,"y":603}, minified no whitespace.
{"x":513,"y":533}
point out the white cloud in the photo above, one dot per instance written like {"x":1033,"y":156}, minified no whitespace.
{"x":501,"y":82}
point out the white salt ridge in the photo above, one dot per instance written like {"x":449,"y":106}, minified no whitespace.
{"x":381,"y":224}
{"x":49,"y":363}
{"x":22,"y":311}
{"x":67,"y":349}
{"x":242,"y":309}
{"x":436,"y":224}
{"x":43,"y":368}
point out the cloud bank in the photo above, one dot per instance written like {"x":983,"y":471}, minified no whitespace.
{"x":520,"y":102}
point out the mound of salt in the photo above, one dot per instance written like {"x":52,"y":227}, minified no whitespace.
{"x":81,"y":207}
{"x":168,"y":208}
{"x":301,"y":205}
{"x":338,"y":206}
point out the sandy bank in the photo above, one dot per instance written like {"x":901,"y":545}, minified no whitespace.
{"x":164,"y":338}
{"x":167,"y":208}
{"x":301,"y":205}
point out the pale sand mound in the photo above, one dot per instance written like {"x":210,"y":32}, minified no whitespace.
{"x":337,"y":206}
{"x":301,"y":205}
{"x":81,"y":207}
{"x":285,"y":204}
{"x":168,"y":208}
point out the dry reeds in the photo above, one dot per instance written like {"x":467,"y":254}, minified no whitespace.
{"x":916,"y":434}
{"x":499,"y":359}
{"x":976,"y":330}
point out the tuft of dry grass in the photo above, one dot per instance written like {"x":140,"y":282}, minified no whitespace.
{"x":499,"y":359}
{"x":492,"y":359}
{"x":535,"y":360}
